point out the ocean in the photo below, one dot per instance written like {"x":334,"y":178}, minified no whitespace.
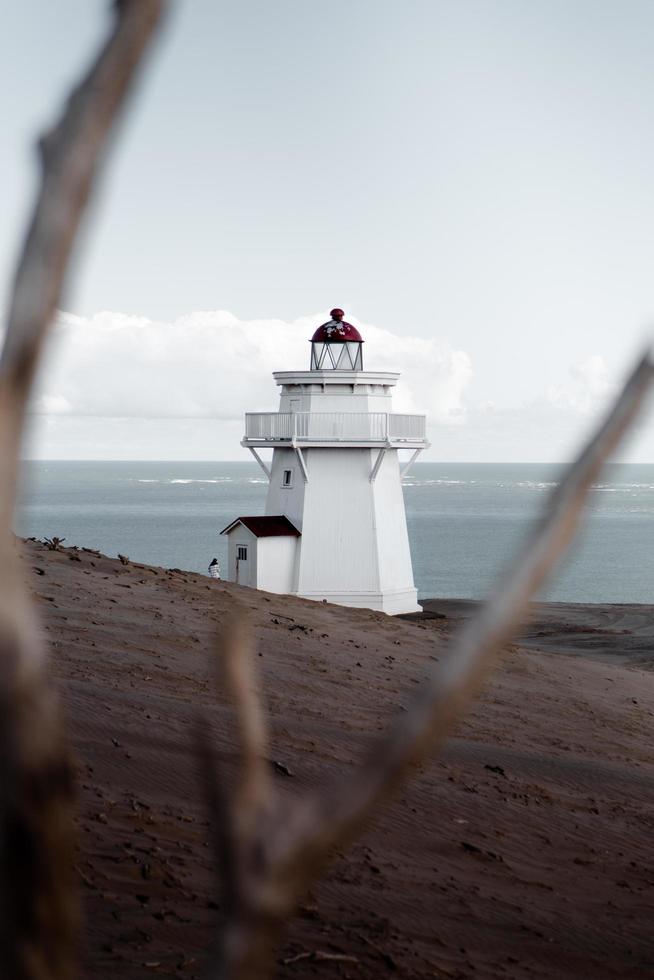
{"x":466,"y":520}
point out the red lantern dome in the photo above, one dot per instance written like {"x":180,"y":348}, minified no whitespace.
{"x":336,"y":333}
{"x":336,"y":345}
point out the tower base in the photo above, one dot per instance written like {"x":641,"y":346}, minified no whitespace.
{"x":392,"y":603}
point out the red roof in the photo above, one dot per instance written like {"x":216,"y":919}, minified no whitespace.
{"x":265,"y":527}
{"x":336,"y":332}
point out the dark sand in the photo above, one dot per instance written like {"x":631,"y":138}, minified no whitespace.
{"x":523,"y":849}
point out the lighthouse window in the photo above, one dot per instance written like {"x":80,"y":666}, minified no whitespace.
{"x":287,"y":480}
{"x":241,"y":552}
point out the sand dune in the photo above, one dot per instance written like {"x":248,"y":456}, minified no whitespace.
{"x":522,"y":850}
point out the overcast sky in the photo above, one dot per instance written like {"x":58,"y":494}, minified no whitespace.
{"x":471,"y":180}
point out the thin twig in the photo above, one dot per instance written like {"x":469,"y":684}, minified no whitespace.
{"x":240,"y":823}
{"x":321,"y":956}
{"x":235,"y":659}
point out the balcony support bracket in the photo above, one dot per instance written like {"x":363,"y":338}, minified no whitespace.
{"x":303,"y":466}
{"x":405,"y":469}
{"x":378,"y":462}
{"x":260,"y":462}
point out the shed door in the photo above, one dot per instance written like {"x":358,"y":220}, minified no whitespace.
{"x":243,"y":564}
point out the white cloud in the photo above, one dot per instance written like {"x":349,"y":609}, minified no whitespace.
{"x":116,"y":386}
{"x":434,"y":376}
{"x":213,"y":365}
{"x":52,"y":405}
{"x":587,"y":389}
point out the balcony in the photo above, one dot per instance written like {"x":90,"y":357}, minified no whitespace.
{"x":335,"y":429}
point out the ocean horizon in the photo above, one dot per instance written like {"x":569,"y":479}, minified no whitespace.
{"x":466,"y":521}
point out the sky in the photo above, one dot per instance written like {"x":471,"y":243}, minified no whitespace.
{"x":469,"y":179}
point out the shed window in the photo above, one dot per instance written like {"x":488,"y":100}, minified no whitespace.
{"x":241,"y":552}
{"x":287,"y":480}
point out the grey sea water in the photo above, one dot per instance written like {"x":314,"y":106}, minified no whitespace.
{"x":465,"y":520}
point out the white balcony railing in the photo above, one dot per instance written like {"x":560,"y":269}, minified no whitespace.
{"x":318,"y":427}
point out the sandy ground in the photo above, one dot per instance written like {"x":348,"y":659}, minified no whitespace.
{"x":524,"y":849}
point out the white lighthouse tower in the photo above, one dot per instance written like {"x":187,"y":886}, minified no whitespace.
{"x":334,"y":527}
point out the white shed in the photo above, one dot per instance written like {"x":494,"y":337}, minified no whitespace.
{"x":262,"y":553}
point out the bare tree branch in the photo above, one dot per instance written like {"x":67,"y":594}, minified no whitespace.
{"x":241,"y":821}
{"x":37,"y":904}
{"x":297,"y":840}
{"x":235,"y":657}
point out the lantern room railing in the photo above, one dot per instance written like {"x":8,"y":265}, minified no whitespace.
{"x":334,"y":427}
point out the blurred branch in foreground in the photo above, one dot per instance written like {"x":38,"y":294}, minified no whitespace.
{"x":37,"y":893}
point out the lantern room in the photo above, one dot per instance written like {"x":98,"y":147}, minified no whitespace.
{"x":336,"y":345}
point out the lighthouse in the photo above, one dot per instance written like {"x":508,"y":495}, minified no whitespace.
{"x":334,"y":527}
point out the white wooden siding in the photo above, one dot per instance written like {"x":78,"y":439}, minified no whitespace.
{"x":276,"y":563}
